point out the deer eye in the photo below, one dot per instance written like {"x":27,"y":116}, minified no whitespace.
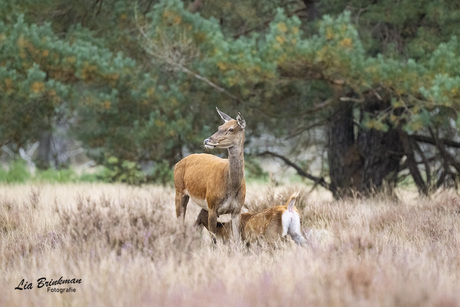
{"x":231,"y":129}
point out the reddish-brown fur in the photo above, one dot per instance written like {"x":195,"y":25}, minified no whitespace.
{"x":267,"y":224}
{"x":215,"y":184}
{"x":224,"y":230}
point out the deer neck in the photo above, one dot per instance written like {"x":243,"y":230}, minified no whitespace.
{"x":236,"y":165}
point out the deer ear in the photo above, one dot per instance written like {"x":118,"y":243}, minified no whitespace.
{"x":241,"y":121}
{"x":224,"y":116}
{"x":292,"y":200}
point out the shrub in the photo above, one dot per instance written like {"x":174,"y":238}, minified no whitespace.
{"x":56,"y":176}
{"x":16,"y":173}
{"x":125,"y":225}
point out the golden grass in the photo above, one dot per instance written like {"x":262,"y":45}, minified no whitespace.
{"x":127,"y":247}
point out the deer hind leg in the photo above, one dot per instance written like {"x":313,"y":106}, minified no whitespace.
{"x":295,"y":232}
{"x":299,"y":239}
{"x":181,"y":204}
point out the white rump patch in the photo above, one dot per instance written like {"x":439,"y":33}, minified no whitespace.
{"x":291,"y":223}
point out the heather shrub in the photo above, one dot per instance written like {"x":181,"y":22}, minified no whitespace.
{"x":125,"y":224}
{"x":23,"y":230}
{"x":128,"y":247}
{"x":272,"y":196}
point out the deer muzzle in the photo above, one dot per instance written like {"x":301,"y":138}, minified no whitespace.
{"x":209,"y":144}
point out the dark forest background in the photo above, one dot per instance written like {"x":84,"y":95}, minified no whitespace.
{"x":371,"y":88}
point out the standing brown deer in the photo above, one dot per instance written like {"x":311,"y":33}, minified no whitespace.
{"x":216,"y":185}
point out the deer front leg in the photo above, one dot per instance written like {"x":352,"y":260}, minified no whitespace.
{"x":212,"y":224}
{"x":237,"y":229}
{"x":236,"y":220}
{"x":212,"y":221}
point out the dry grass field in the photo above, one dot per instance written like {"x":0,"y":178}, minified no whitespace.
{"x":126,"y":247}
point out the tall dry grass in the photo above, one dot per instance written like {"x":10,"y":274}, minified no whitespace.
{"x":127,"y":247}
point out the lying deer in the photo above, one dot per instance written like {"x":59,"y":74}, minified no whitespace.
{"x":271,"y":224}
{"x":216,"y":185}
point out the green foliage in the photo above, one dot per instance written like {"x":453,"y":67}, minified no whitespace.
{"x":138,"y":83}
{"x":370,"y":122}
{"x":253,"y":171}
{"x":56,"y":176}
{"x":162,"y":173}
{"x":92,"y":177}
{"x":336,"y":52}
{"x":117,"y":109}
{"x":414,"y":29}
{"x":16,"y":173}
{"x":122,"y":171}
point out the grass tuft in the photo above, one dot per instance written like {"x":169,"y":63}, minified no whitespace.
{"x":128,"y":248}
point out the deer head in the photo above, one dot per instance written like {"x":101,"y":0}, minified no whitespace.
{"x":229,"y":134}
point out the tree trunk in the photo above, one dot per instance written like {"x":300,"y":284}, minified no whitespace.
{"x":381,"y":153}
{"x":44,"y":150}
{"x":345,"y":164}
{"x":312,"y":11}
{"x":364,"y":164}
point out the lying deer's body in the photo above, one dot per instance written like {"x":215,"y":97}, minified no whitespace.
{"x":271,"y":224}
{"x":216,"y":185}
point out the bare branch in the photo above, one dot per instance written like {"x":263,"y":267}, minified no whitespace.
{"x":444,"y":153}
{"x":426,"y":164}
{"x":357,"y":100}
{"x":301,"y":129}
{"x":411,"y":163}
{"x":432,"y":141}
{"x":300,"y":171}
{"x":323,"y":105}
{"x":175,"y":60}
